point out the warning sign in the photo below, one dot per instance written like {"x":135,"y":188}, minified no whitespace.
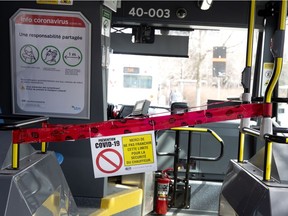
{"x":138,"y":150}
{"x":123,"y":154}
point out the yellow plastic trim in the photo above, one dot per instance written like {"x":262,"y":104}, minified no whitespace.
{"x":15,"y":153}
{"x":52,"y":203}
{"x":241,"y":147}
{"x":268,"y":161}
{"x":43,"y":147}
{"x":119,"y":202}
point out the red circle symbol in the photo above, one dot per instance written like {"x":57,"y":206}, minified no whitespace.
{"x":109,"y":161}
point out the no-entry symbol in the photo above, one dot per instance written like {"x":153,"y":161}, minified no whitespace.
{"x":109,"y":161}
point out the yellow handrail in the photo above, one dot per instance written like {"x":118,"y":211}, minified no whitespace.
{"x":250,"y":38}
{"x":204,"y":130}
{"x":278,"y":61}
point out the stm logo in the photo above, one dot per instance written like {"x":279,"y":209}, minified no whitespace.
{"x":76,"y":108}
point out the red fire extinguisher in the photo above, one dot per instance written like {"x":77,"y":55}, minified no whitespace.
{"x":162,"y":194}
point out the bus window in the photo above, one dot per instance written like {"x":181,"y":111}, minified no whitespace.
{"x":212,"y":71}
{"x":283,"y":87}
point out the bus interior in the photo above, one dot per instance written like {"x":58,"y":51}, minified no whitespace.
{"x":157,"y":65}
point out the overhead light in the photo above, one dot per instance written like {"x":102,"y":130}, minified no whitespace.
{"x":205,"y":4}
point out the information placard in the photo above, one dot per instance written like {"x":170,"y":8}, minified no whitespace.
{"x":267,"y":74}
{"x":50,"y":63}
{"x":124,"y":154}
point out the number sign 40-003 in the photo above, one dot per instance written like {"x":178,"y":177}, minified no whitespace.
{"x":151,"y":12}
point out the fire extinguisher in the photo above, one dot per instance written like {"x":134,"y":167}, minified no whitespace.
{"x":162,"y":193}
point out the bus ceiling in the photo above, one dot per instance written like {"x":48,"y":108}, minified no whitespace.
{"x":144,"y":18}
{"x":186,"y":14}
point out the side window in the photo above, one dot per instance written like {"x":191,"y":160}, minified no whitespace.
{"x":283,"y":87}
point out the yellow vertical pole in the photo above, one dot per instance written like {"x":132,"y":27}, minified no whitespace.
{"x":241,"y":147}
{"x":43,"y":147}
{"x":246,"y":78}
{"x":250,"y":34}
{"x":268,"y":161}
{"x":15,"y":156}
{"x":278,"y":61}
{"x":43,"y":144}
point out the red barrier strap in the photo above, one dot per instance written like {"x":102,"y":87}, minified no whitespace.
{"x":267,"y":109}
{"x":62,"y":132}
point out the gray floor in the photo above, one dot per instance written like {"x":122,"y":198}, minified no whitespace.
{"x":204,"y":201}
{"x":184,"y":212}
{"x":178,"y":212}
{"x":86,"y":211}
